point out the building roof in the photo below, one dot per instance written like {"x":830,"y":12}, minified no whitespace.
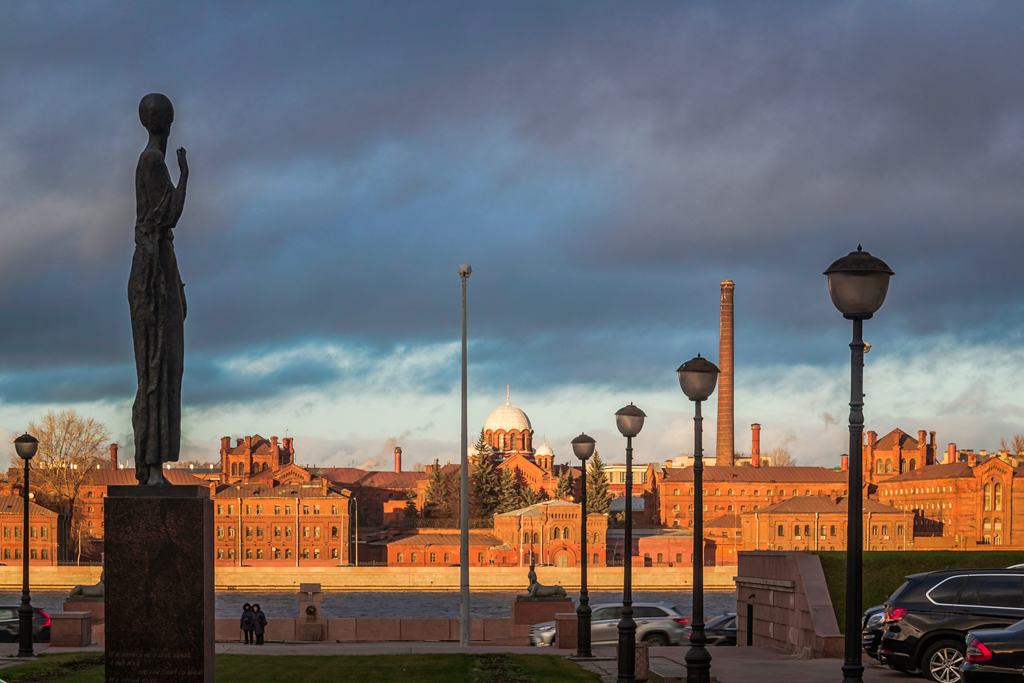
{"x":544,"y":449}
{"x":619,"y":532}
{"x":889,"y":441}
{"x":260,"y":446}
{"x":314,"y":489}
{"x":15,"y":505}
{"x":619,"y":504}
{"x":822,"y":504}
{"x":126,"y":477}
{"x":448,"y":538}
{"x":725,"y":521}
{"x":535,"y":510}
{"x":353,"y":476}
{"x":756,"y":475}
{"x":506,"y":418}
{"x":944,"y":471}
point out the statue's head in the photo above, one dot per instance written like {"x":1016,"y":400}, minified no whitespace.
{"x":156,"y":113}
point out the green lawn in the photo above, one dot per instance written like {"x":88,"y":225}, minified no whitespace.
{"x":443,"y":668}
{"x":884,"y":572}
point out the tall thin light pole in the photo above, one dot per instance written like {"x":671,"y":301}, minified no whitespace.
{"x":25,"y":445}
{"x":629,"y":420}
{"x":583,"y":447}
{"x":465,"y":270}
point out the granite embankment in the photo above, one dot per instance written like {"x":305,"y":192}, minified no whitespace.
{"x":399,"y":578}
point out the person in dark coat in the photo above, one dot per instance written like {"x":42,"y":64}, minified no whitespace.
{"x":259,"y":623}
{"x":247,"y":623}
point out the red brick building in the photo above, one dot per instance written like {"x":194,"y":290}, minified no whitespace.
{"x":441,"y":547}
{"x":251,"y":455}
{"x":895,"y":453}
{"x":42,"y":532}
{"x":819,"y":523}
{"x":551,"y":531}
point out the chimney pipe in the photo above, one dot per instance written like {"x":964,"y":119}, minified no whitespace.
{"x":844,"y":462}
{"x":725,"y":445}
{"x":113,"y":456}
{"x":972,"y":459}
{"x":950,"y":453}
{"x":398,"y":460}
{"x":755,"y":445}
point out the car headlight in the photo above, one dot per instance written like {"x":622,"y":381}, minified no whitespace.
{"x":875,"y":619}
{"x":545,"y":629}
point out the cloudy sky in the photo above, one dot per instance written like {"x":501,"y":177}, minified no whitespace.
{"x":602,"y":166}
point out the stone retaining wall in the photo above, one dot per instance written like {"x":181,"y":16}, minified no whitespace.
{"x":495,"y":631}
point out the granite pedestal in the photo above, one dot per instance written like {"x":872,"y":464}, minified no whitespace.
{"x":529,"y":611}
{"x":159,"y":596}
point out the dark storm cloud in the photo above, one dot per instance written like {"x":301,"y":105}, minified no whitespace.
{"x":602,"y":166}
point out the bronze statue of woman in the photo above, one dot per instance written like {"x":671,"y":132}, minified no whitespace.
{"x":156,"y":298}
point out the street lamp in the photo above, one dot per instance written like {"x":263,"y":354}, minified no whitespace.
{"x":583,"y":447}
{"x":629,"y":420}
{"x":465,"y":270}
{"x":858,"y":283}
{"x":26,"y":446}
{"x":697,"y":379}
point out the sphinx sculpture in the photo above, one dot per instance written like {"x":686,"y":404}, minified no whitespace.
{"x":94,"y":591}
{"x":537,"y":590}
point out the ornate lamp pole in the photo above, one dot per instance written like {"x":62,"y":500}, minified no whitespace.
{"x":465,"y":270}
{"x":26,"y":446}
{"x":629,"y":420}
{"x":697,"y":378}
{"x":583,"y":447}
{"x":858,"y":283}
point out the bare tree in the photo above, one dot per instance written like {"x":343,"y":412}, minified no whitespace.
{"x":1015,"y":446}
{"x":70,"y":446}
{"x":781,"y":457}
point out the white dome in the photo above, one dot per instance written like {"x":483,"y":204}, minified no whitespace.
{"x":506,"y":418}
{"x":544,"y":449}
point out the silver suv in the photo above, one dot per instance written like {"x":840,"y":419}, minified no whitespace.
{"x":657,"y":623}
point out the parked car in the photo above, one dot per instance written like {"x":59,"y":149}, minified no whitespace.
{"x":927,"y":619}
{"x":872,"y":626}
{"x":994,"y":655}
{"x":10,"y":625}
{"x":657,"y":623}
{"x":719,"y":630}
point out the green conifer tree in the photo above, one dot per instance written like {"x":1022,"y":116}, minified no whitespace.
{"x":508,"y":497}
{"x":529,"y":496}
{"x":484,"y":493}
{"x":410,"y":505}
{"x":597,"y":486}
{"x":564,"y":489}
{"x":437,"y":491}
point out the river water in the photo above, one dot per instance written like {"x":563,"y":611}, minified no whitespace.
{"x":407,"y":604}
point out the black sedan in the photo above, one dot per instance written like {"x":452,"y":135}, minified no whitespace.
{"x":719,"y":631}
{"x":994,"y":655}
{"x":10,"y":625}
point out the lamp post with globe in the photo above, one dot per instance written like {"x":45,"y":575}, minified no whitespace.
{"x":697,"y":378}
{"x":26,"y":446}
{"x":629,"y":420}
{"x":858,"y":283}
{"x":583,"y":447}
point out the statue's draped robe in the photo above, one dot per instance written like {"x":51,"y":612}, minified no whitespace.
{"x":156,"y":299}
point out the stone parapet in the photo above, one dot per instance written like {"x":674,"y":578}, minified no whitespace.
{"x":71,"y":629}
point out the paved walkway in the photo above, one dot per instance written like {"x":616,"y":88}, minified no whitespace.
{"x":728,"y":665}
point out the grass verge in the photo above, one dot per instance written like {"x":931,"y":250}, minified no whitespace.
{"x":884,"y":572}
{"x":87,"y":667}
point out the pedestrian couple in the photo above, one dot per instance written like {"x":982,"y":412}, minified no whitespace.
{"x":254,"y":621}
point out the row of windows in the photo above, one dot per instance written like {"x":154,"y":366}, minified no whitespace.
{"x":998,"y":497}
{"x":31,"y":554}
{"x":757,"y":492}
{"x":718,"y":508}
{"x":886,"y":467}
{"x":277,"y":532}
{"x":498,"y":441}
{"x":641,"y":475}
{"x":277,"y":509}
{"x":43,"y":531}
{"x":276,"y":554}
{"x":832,"y":530}
{"x":238,"y":468}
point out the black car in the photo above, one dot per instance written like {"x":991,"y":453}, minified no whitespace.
{"x":928,"y":617}
{"x":872,"y":626}
{"x":719,"y":631}
{"x":995,"y":656}
{"x":9,"y":625}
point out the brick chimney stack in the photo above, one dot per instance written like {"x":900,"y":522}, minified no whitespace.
{"x":755,"y":445}
{"x":844,"y":462}
{"x":725,"y":446}
{"x":398,"y":459}
{"x":950,"y":453}
{"x":113,"y":456}
{"x":931,"y":449}
{"x":972,"y":459}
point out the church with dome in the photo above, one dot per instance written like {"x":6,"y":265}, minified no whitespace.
{"x":509,"y":435}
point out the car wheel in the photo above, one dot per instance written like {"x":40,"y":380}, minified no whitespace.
{"x":655,"y":640}
{"x":942,"y":662}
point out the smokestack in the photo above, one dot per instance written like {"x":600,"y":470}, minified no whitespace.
{"x":950,"y":453}
{"x":844,"y":462}
{"x":755,"y":445}
{"x":725,"y":446}
{"x":113,"y":456}
{"x":398,"y":460}
{"x":972,"y":459}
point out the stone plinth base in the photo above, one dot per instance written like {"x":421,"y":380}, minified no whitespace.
{"x":71,"y":629}
{"x":94,"y":606}
{"x":159,"y":584}
{"x":642,"y":659}
{"x":567,"y":631}
{"x":530,"y":611}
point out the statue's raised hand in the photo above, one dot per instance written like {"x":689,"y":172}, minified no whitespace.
{"x":182,"y":162}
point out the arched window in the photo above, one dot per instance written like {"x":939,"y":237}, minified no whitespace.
{"x":782,"y":532}
{"x":555,"y":533}
{"x":999,"y":496}
{"x":259,"y":554}
{"x":234,"y":469}
{"x":999,"y":524}
{"x":266,"y":465}
{"x":595,"y":536}
{"x":255,"y":468}
{"x":566,"y":533}
{"x":536,"y":537}
{"x":987,"y":524}
{"x":998,"y":540}
{"x":512,"y":442}
{"x":888,"y":466}
{"x":489,"y":439}
{"x":675,"y":492}
{"x":878,"y":466}
{"x":913,"y":464}
{"x":988,"y":497}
